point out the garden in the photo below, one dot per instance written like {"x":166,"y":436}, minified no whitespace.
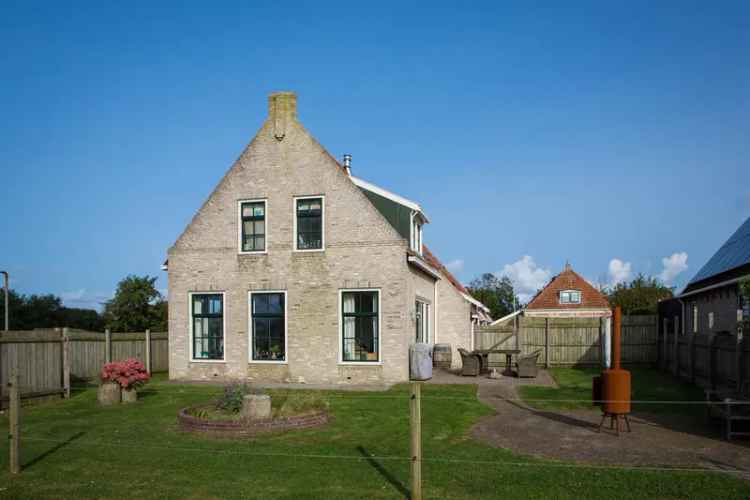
{"x":79,"y":448}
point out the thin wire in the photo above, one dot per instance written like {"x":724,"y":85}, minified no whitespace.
{"x":403,"y":459}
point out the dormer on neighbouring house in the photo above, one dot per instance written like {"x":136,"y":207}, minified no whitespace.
{"x":568,"y":295}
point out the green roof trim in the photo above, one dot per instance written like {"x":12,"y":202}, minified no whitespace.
{"x":396,"y":214}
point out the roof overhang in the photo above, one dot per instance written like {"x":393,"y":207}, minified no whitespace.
{"x":506,"y":317}
{"x":391,"y":196}
{"x":711,"y":287}
{"x":423,"y":266}
{"x":474,"y":301}
{"x":568,"y":313}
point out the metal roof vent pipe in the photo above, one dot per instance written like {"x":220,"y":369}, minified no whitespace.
{"x":348,"y":164}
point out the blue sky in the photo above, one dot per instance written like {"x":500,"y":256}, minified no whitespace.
{"x":530,"y":135}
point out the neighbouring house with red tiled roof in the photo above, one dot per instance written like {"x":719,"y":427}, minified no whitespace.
{"x":568,"y":295}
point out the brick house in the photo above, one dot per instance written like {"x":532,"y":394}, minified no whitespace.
{"x":294,"y":270}
{"x":711,"y":302}
{"x":568,"y":295}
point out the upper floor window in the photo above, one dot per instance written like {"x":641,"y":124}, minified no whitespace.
{"x":309,"y":223}
{"x":253,"y":226}
{"x":207,"y":326}
{"x":416,"y":235}
{"x":570,"y":297}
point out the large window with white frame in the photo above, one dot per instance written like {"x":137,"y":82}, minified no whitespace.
{"x":422,"y":320}
{"x":268,"y":326}
{"x":253,"y":227}
{"x":360,"y":326}
{"x":309,"y":223}
{"x":207,"y":326}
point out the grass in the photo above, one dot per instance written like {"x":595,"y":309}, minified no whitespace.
{"x":76,"y":449}
{"x":647,"y":384}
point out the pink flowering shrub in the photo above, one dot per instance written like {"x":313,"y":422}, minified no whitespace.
{"x":129,"y":374}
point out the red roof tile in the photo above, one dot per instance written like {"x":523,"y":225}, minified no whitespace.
{"x":549,"y":296}
{"x":433,"y":261}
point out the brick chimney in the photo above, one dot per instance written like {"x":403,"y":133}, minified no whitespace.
{"x":282,"y":109}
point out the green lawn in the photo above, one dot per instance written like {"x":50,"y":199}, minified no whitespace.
{"x":73,"y":448}
{"x":647,"y":384}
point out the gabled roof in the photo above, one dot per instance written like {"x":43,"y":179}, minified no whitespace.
{"x":733,"y":255}
{"x":549,"y":296}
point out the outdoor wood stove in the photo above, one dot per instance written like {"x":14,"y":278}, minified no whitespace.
{"x":611,"y":390}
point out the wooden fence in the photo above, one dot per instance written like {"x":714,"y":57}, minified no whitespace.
{"x":705,"y":359}
{"x":574,"y":341}
{"x":49,"y":358}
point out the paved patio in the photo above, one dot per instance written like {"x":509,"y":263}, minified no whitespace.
{"x":571,"y":435}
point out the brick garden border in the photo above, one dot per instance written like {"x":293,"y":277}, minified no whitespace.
{"x":192,"y":423}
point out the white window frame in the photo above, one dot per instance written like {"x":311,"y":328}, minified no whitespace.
{"x":239,"y":226}
{"x":379,"y":362}
{"x":223,"y":294}
{"x":426,"y":323}
{"x":322,"y":222}
{"x":711,"y":320}
{"x":580,"y":296}
{"x":250,"y":332}
{"x":415,"y":233}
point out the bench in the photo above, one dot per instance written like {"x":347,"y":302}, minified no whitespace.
{"x":731,"y":406}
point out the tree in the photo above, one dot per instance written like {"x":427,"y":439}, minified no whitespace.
{"x":496,"y":293}
{"x":640,"y":296}
{"x":136,"y":306}
{"x":47,"y":311}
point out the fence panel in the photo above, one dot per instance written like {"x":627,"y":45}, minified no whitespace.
{"x":39,"y":354}
{"x":573,"y":341}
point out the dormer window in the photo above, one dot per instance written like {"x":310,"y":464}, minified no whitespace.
{"x":570,"y":297}
{"x":416,"y":234}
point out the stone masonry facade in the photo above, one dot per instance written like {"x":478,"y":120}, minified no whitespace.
{"x":361,"y":251}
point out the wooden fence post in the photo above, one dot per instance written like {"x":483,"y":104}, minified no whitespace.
{"x":676,"y":365}
{"x":664,"y":331}
{"x":65,"y":346}
{"x":710,"y":361}
{"x":691,"y":354}
{"x":147,"y":353}
{"x":415,"y":414}
{"x":739,"y":347}
{"x":546,"y":342}
{"x":15,"y":419}
{"x":107,"y":346}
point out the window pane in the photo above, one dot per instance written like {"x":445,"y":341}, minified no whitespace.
{"x":214,"y":305}
{"x":197,"y":304}
{"x":259,"y":227}
{"x":258,"y":210}
{"x":247,"y":210}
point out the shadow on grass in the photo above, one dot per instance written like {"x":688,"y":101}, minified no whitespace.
{"x":384,"y":472}
{"x":52,"y":450}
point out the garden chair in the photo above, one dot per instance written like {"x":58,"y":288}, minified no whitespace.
{"x":471,"y":364}
{"x":526,"y":364}
{"x":731,"y":406}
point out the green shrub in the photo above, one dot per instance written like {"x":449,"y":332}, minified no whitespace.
{"x":231,"y":399}
{"x":298,"y":403}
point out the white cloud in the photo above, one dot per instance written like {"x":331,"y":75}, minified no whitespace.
{"x":619,"y":271}
{"x":673,"y":266}
{"x":526,"y":276}
{"x":455,"y":266}
{"x":83,"y":299}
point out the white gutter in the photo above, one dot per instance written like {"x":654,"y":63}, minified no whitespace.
{"x":423,"y":266}
{"x":391,"y":196}
{"x":707,"y":288}
{"x":474,"y":301}
{"x":506,"y":317}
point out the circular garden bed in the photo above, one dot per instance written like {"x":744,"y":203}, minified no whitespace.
{"x":229,"y":415}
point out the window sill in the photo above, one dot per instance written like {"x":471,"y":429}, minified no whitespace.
{"x":208,"y":361}
{"x":264,"y":252}
{"x":360,"y":363}
{"x":312,"y":250}
{"x":264,"y":362}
